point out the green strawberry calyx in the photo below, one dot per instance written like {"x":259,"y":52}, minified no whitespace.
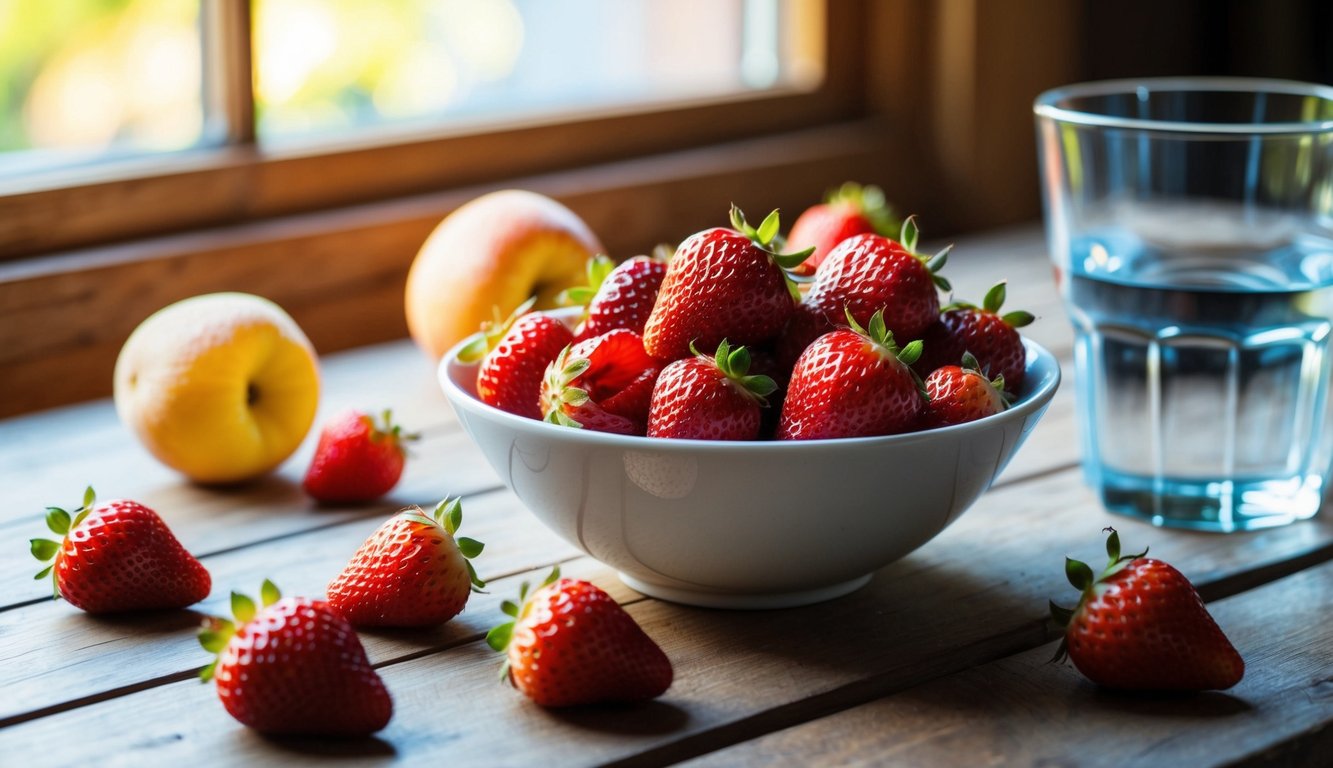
{"x":598,"y":268}
{"x":734,"y":363}
{"x":558,"y":390}
{"x":971,"y":364}
{"x":869,"y":201}
{"x":217,"y":631}
{"x":908,"y":239}
{"x":492,"y":331}
{"x":499,"y":636}
{"x":877,"y":332}
{"x":880,"y":335}
{"x":766,"y":236}
{"x":991,"y":304}
{"x":60,"y":522}
{"x":1083,"y":579}
{"x":386,"y":429}
{"x":448,"y":514}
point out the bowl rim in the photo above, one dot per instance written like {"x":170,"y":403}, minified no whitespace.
{"x":1038,"y":357}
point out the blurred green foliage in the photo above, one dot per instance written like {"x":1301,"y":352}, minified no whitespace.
{"x":31,"y":33}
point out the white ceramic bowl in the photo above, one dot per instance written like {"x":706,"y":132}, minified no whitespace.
{"x":747,"y":524}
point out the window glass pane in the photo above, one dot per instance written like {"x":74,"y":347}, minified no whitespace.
{"x":323,"y":67}
{"x":88,"y":80}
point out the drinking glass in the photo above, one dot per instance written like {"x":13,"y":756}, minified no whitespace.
{"x":1190,"y":222}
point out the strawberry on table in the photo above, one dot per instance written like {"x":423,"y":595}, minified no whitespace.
{"x":570,"y":643}
{"x":852,"y":382}
{"x":956,"y":394}
{"x":1142,"y":626}
{"x":723,"y":284}
{"x":866,"y":274}
{"x":293,"y":666}
{"x":118,"y":556}
{"x":514,"y":354}
{"x":356,"y":459}
{"x":991,"y":337}
{"x":851,"y":209}
{"x":604,"y":384}
{"x":709,"y":397}
{"x":618,"y":296}
{"x":413,"y":571}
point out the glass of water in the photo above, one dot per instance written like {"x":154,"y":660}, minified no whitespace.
{"x":1190,"y":222}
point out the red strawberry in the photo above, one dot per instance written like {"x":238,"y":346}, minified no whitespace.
{"x":118,"y":556}
{"x":294,"y":667}
{"x":709,"y":397}
{"x":413,"y":571}
{"x":1142,"y":626}
{"x":571,"y":644}
{"x":632,"y":402}
{"x":991,"y":337}
{"x":723,"y":284}
{"x":619,"y":297}
{"x":604,"y":384}
{"x":356,"y":459}
{"x":806,"y":325}
{"x":956,"y":394}
{"x":514,"y":355}
{"x":869,"y":273}
{"x":849,"y":210}
{"x":852,"y":382}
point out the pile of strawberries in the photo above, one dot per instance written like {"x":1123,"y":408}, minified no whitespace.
{"x":719,"y":341}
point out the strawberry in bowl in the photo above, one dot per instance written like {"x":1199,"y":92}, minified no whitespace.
{"x":708,"y":507}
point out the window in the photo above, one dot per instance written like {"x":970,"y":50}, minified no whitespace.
{"x":325,"y":68}
{"x":99,"y":82}
{"x":243,"y":102}
{"x":313,"y":179}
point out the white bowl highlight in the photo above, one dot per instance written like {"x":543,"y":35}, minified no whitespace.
{"x":747,"y":524}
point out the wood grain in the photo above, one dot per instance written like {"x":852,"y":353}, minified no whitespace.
{"x":1024,"y":710}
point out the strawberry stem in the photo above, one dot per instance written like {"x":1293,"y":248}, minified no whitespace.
{"x":499,"y":636}
{"x":1081,"y":577}
{"x":59,"y":522}
{"x":767,"y":239}
{"x":492,"y":331}
{"x":217,"y":631}
{"x":596,"y":271}
{"x":448,"y":514}
{"x":870,"y":201}
{"x":734,"y":363}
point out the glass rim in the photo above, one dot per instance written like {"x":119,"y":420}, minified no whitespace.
{"x":1045,"y":105}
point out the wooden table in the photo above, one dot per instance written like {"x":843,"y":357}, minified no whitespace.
{"x":940,"y":660}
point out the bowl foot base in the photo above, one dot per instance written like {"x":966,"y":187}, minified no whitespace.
{"x":744,"y":600}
